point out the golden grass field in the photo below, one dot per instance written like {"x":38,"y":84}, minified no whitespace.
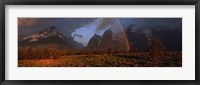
{"x":103,"y":60}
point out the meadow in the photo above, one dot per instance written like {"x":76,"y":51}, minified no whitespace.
{"x":169,"y":59}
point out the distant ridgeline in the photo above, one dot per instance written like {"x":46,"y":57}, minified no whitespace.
{"x":140,"y":40}
{"x":135,"y":41}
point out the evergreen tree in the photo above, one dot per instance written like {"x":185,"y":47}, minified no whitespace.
{"x":45,"y":54}
{"x":156,"y":49}
{"x":29,"y":53}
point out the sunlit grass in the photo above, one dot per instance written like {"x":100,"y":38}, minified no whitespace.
{"x":104,"y":60}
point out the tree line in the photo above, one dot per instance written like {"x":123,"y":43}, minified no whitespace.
{"x":156,"y":49}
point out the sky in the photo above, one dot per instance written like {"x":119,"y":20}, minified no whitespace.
{"x":82,"y":29}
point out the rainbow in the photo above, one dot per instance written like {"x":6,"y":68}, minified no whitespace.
{"x":124,"y":34}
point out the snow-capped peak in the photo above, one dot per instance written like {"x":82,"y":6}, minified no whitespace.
{"x":51,"y":31}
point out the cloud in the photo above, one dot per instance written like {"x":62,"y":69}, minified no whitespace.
{"x":148,"y":33}
{"x":25,"y":22}
{"x":66,"y":26}
{"x":77,"y":35}
{"x":87,"y":31}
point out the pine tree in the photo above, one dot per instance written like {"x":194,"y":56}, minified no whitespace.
{"x":156,"y":49}
{"x":45,"y":54}
{"x":109,"y":51}
{"x":29,"y":53}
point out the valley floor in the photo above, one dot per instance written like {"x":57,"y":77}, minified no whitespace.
{"x":104,"y":60}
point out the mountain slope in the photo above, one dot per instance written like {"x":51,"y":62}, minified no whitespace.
{"x":45,"y":38}
{"x":140,"y":37}
{"x":106,"y":42}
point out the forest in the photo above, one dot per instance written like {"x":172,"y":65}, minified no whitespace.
{"x":155,"y":56}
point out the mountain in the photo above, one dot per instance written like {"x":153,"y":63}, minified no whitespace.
{"x":47,"y":38}
{"x":171,"y":38}
{"x":140,"y":37}
{"x":138,"y":41}
{"x":105,"y":42}
{"x":94,"y":42}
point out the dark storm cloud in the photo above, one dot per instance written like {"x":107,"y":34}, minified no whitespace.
{"x":65,"y":25}
{"x":89,"y":26}
{"x":149,"y":22}
{"x":145,"y":25}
